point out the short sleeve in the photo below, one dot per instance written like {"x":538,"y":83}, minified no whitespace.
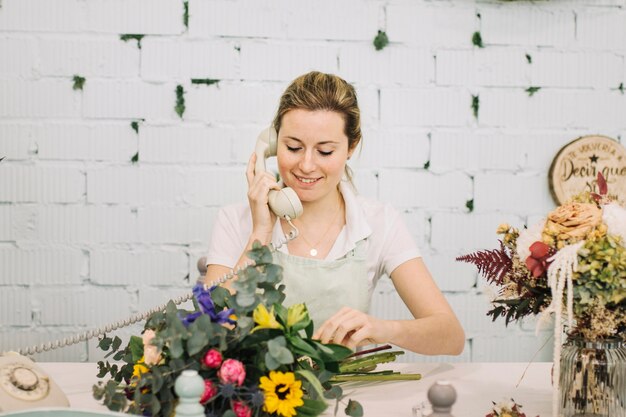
{"x":399,"y":246}
{"x":226,"y":246}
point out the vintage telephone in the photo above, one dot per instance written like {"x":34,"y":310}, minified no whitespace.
{"x":23,"y":385}
{"x":285,"y":202}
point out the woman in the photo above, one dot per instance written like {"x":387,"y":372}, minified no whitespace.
{"x":345,"y":242}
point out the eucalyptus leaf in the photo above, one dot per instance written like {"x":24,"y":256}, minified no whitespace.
{"x":176,"y":346}
{"x":105,"y":343}
{"x":136,"y":347}
{"x":354,"y":409}
{"x":197,"y":342}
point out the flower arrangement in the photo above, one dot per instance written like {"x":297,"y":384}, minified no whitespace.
{"x":575,"y":257}
{"x":256,"y":356}
{"x":506,"y":409}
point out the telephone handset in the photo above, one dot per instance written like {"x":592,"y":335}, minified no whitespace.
{"x":23,"y":385}
{"x":283,"y":202}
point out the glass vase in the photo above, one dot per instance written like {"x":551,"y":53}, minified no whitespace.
{"x":593,"y":378}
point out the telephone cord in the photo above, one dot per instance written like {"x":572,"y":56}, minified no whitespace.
{"x":81,"y":337}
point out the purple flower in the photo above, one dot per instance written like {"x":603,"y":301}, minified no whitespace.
{"x":203,"y":297}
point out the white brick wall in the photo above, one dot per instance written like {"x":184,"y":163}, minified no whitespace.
{"x":88,"y":236}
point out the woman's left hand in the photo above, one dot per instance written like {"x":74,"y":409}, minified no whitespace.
{"x":352,"y":328}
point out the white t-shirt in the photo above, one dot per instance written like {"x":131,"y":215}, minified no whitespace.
{"x":389,"y":243}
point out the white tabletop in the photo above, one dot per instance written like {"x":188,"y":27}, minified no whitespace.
{"x":477,"y":385}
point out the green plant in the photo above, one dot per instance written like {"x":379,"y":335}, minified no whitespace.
{"x":186,"y":14}
{"x":180,"y":101}
{"x":205,"y":81}
{"x":475,"y":105}
{"x":79,"y":82}
{"x":381,"y":40}
{"x":127,"y":37}
{"x":532,"y":90}
{"x":477,"y":40}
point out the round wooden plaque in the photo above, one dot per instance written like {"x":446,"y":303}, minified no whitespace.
{"x":576,"y":166}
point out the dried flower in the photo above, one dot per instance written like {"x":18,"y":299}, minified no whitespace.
{"x":151,"y":353}
{"x":571,"y":223}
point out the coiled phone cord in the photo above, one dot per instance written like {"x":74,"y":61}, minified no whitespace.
{"x":81,"y":337}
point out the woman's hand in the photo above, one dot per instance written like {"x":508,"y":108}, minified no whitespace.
{"x":259,"y":185}
{"x":352,"y":328}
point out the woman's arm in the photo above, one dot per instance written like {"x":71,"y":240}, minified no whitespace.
{"x":435,"y":330}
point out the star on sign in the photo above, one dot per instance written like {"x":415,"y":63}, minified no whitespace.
{"x":593,"y":158}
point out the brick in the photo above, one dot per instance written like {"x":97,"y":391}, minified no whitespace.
{"x":560,"y":109}
{"x":39,"y":99}
{"x":243,"y":142}
{"x":367,"y":183}
{"x":392,"y":148}
{"x":248,"y":18}
{"x":150,"y":298}
{"x":505,"y":66}
{"x":142,"y":185}
{"x":397,"y":64}
{"x":542,"y":26}
{"x":471,"y":309}
{"x":512,"y":347}
{"x":477,"y":152}
{"x":22,"y":183}
{"x":86,"y":224}
{"x":215,"y":187}
{"x":16,"y":222}
{"x":601,"y":29}
{"x":228,"y":103}
{"x":38,"y":15}
{"x":147,"y":17}
{"x":525,"y":194}
{"x":128,"y":99}
{"x":450,"y":275}
{"x":40,"y":266}
{"x":24,"y":338}
{"x":425,"y":107}
{"x":460,"y":233}
{"x":115,"y":142}
{"x":17,"y":141}
{"x":417,"y":222}
{"x":82,"y":306}
{"x":577,"y":69}
{"x":184,"y":225}
{"x":285,"y":61}
{"x":108,"y":57}
{"x":369,"y":104}
{"x":429,"y":25}
{"x":15,"y":306}
{"x":152,"y":267}
{"x":187,"y":144}
{"x":164,"y":59}
{"x":23,"y":53}
{"x":424,"y":189}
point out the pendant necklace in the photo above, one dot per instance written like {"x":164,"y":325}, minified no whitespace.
{"x":313,"y":252}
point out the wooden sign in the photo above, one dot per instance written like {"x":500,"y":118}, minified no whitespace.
{"x":576,"y":166}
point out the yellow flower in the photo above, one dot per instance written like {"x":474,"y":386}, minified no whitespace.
{"x":265,"y":319}
{"x":140,"y":368}
{"x":283,"y":393}
{"x":296,"y":314}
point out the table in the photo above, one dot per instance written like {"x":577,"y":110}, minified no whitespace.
{"x":477,"y":384}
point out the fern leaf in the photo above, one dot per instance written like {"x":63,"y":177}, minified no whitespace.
{"x":494,"y":264}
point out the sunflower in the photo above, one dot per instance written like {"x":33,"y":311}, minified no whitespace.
{"x":140,"y":368}
{"x":283,"y":393}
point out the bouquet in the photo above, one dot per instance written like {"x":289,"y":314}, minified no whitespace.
{"x":574,"y":257}
{"x":256,"y":356}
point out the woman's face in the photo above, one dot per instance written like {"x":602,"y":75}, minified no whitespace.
{"x":312,"y":152}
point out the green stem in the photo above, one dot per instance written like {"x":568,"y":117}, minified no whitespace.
{"x":382,"y":378}
{"x":368,"y":361}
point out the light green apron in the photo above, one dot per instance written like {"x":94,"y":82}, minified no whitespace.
{"x":326,"y":285}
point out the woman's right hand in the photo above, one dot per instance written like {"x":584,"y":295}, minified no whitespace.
{"x":259,"y":185}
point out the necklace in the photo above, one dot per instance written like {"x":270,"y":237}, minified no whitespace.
{"x":313,"y":252}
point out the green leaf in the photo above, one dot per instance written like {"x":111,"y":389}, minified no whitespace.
{"x":136,"y":347}
{"x":354,"y":409}
{"x":529,"y":59}
{"x":311,"y":408}
{"x":79,"y":82}
{"x":470,"y":205}
{"x":229,"y":413}
{"x":117,"y":342}
{"x":312,"y":379}
{"x":180,"y":101}
{"x":128,"y":37}
{"x":300,"y":347}
{"x":176,"y":346}
{"x":532,"y":90}
{"x":475,"y":106}
{"x":335,"y":392}
{"x":135,"y":126}
{"x":620,"y":88}
{"x":135,"y":158}
{"x":205,"y":81}
{"x":477,"y":40}
{"x":186,"y":14}
{"x":427,"y":165}
{"x":197,"y":341}
{"x":105,"y":343}
{"x":278,"y":351}
{"x":381,"y":40}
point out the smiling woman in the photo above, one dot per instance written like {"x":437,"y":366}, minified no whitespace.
{"x":345,"y":242}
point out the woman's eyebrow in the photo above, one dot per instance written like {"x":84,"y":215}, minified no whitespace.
{"x":318,"y":143}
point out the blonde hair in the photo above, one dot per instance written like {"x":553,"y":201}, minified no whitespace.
{"x":318,"y":91}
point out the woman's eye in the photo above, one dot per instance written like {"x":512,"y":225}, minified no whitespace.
{"x":325,"y":153}
{"x":293,"y":149}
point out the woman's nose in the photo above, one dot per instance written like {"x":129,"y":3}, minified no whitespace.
{"x":307,"y":162}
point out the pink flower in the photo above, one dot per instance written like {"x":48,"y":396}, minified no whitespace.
{"x":241,"y":409}
{"x":213,"y":358}
{"x":151,"y":353}
{"x":232,"y":372}
{"x":210,"y":390}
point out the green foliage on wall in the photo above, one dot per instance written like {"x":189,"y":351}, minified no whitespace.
{"x":79,"y":82}
{"x":127,"y":37}
{"x":206,"y":81}
{"x":381,"y":40}
{"x":186,"y":14}
{"x":470,"y":205}
{"x":621,"y":87}
{"x":477,"y":40}
{"x":532,"y":90}
{"x":135,"y":158}
{"x":427,"y":165}
{"x":475,"y":106}
{"x":135,"y":126}
{"x":180,"y":101}
{"x":529,"y":59}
